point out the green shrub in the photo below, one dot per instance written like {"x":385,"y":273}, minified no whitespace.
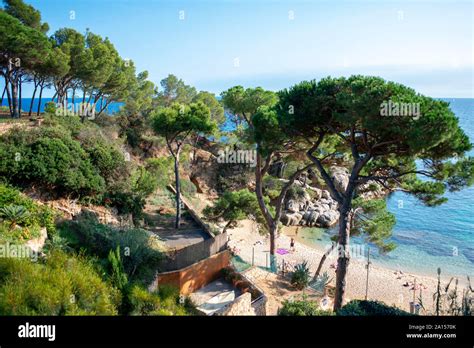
{"x":187,"y":188}
{"x":67,"y":157}
{"x":62,"y":284}
{"x":140,"y":252}
{"x":107,"y":159}
{"x":163,"y":302}
{"x":302,"y":307}
{"x":127,"y":203}
{"x":295,"y":192}
{"x":161,"y":169}
{"x":116,"y":271}
{"x":367,"y":308}
{"x":56,"y":163}
{"x":144,"y":182}
{"x":300,"y":276}
{"x":50,"y":108}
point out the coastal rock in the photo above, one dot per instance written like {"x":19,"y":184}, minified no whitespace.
{"x":291,"y":219}
{"x":328,"y":218}
{"x":292,"y":206}
{"x":372,"y":190}
{"x":311,"y":217}
{"x":317,"y":193}
{"x":340,"y":176}
{"x":325,"y":194}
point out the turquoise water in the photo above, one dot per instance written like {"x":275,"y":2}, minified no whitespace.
{"x":427,"y":238}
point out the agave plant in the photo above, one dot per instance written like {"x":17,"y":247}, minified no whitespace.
{"x":13,"y":214}
{"x":300,"y":276}
{"x":320,"y":283}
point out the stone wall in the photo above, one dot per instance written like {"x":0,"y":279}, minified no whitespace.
{"x":241,"y":306}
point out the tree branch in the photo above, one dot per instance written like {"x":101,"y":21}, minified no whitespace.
{"x":338,"y":196}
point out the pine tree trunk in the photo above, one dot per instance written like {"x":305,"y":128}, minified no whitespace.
{"x":344,"y":257}
{"x":273,"y":235}
{"x":9,"y":98}
{"x":178,"y":190}
{"x":224,"y":230}
{"x":323,"y":259}
{"x":271,"y":223}
{"x":32,"y":99}
{"x":39,"y":101}
{"x":19,"y":98}
{"x":15,"y":111}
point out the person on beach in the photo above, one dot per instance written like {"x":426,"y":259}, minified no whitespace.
{"x":292,"y":245}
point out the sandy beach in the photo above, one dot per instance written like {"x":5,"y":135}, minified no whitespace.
{"x":384,"y":284}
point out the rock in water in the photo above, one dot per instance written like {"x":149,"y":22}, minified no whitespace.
{"x":328,"y":218}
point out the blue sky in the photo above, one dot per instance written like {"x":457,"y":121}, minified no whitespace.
{"x":427,"y":45}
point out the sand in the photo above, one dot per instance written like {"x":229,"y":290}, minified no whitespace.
{"x":384,"y":284}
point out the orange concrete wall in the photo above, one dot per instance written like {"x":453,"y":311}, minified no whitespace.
{"x":197,"y":275}
{"x":170,"y":278}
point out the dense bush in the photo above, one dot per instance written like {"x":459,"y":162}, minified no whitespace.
{"x":61,"y":284}
{"x":127,"y":203}
{"x":165,"y":301}
{"x":140,"y":252}
{"x":144,"y":182}
{"x":301,"y":307}
{"x":161,"y":169}
{"x":233,"y":177}
{"x":66,"y":155}
{"x":366,"y":308}
{"x":108,"y":160}
{"x":49,"y":157}
{"x":295,"y":192}
{"x":188,"y":189}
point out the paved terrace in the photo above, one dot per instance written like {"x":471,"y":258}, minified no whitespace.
{"x":215,"y":296}
{"x":178,"y":239}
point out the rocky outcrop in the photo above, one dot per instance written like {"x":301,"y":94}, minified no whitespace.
{"x":372,"y":190}
{"x":320,"y":208}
